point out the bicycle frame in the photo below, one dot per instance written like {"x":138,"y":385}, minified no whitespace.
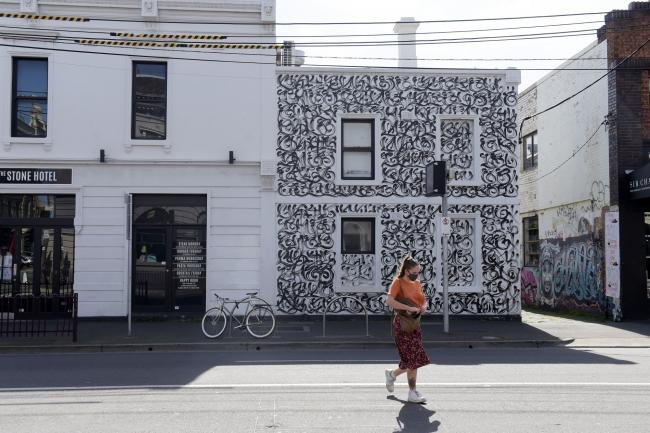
{"x":250,"y":301}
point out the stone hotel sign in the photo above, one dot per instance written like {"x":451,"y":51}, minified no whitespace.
{"x":36,"y":176}
{"x":639,"y":183}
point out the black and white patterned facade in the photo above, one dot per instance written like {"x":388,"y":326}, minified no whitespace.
{"x":468,"y":120}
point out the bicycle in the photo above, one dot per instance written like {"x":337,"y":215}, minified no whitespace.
{"x":258,"y":319}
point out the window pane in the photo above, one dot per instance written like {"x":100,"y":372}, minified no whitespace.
{"x":357,"y":165}
{"x":31,"y":77}
{"x":168,"y":209}
{"x":357,"y":134}
{"x":30,"y":117}
{"x":150,"y":100}
{"x":357,"y":236}
{"x":531,"y":241}
{"x":37,"y":206}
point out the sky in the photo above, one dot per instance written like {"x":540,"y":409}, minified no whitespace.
{"x":393,"y":10}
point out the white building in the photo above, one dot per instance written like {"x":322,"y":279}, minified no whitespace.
{"x":165,"y":127}
{"x":565,"y":185}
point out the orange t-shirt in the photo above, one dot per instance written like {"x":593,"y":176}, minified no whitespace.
{"x":411,"y":290}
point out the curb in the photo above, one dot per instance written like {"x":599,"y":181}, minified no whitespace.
{"x":267,"y":345}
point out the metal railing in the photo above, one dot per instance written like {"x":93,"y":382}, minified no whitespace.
{"x":35,"y":316}
{"x":329,"y":300}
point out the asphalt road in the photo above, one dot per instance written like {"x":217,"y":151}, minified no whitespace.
{"x":469,"y":390}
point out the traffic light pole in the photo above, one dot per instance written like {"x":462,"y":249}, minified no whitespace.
{"x":445,"y":278}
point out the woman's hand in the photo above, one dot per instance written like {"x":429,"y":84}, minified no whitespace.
{"x":413,"y":310}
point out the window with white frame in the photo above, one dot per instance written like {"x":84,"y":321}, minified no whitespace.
{"x":357,"y":149}
{"x":462,"y":254}
{"x":29,"y":98}
{"x":357,"y":236}
{"x":358,"y":260}
{"x":458,"y":148}
{"x":530,"y":150}
{"x":149,"y":101}
{"x":531,"y":241}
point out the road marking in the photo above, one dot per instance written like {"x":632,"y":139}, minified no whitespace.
{"x":332,"y":385}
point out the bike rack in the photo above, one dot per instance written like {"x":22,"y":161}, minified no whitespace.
{"x":335,"y":298}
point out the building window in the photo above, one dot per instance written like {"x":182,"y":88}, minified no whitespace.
{"x":358,"y":149}
{"x":149,"y":104}
{"x":531,"y":242}
{"x":358,"y":236}
{"x":29,"y":102}
{"x":530,"y":150}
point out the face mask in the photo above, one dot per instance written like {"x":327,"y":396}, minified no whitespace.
{"x":413,"y":277}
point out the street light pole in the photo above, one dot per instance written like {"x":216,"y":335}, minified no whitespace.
{"x":445,"y":278}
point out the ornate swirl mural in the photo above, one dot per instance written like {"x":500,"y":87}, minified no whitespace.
{"x":357,"y":270}
{"x":457,"y":148}
{"x":307,"y":259}
{"x":308,"y":105}
{"x":461,"y":252}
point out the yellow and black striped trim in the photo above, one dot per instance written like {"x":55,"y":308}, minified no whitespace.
{"x":43,"y":17}
{"x":168,"y":36}
{"x":177,"y":44}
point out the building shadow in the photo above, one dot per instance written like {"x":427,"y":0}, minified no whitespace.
{"x":414,"y":418}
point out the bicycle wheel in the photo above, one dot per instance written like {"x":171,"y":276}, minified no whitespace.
{"x":214,"y":322}
{"x":260,"y":321}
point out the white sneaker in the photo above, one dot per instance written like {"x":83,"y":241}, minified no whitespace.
{"x":416,"y":397}
{"x":390,"y":381}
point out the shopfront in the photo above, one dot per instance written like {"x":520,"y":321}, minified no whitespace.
{"x":635,"y":245}
{"x":37,"y":244}
{"x":169,"y":253}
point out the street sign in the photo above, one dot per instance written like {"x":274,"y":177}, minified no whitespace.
{"x":445,"y":226}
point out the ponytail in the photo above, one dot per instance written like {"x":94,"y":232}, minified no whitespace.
{"x":407,"y":263}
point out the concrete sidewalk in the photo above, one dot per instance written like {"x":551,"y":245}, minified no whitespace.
{"x":534,"y":330}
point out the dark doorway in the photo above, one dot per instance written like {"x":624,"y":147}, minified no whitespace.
{"x":647,"y":254}
{"x":169,"y":253}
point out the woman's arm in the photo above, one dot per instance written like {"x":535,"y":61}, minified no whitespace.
{"x":392,"y":303}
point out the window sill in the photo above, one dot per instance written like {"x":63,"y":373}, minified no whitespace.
{"x":464,"y":289}
{"x":165,"y":144}
{"x":465,"y":183}
{"x":360,"y":182}
{"x":46,"y":142}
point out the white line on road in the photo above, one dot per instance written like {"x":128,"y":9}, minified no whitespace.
{"x":332,"y":385}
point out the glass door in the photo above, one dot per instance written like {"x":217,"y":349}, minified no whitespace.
{"x":151,"y":269}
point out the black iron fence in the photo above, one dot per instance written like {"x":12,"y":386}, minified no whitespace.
{"x":34,"y":316}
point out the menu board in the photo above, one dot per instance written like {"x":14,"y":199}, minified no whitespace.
{"x":189,"y":265}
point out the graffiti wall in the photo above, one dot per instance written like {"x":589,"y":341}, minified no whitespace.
{"x":571,"y":262}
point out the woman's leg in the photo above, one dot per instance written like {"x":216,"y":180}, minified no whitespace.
{"x":412,"y":376}
{"x":398,"y":371}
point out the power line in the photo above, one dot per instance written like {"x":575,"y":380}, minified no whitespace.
{"x":532,"y":116}
{"x":575,"y":152}
{"x":158,"y":57}
{"x":501,"y":38}
{"x":338,"y":35}
{"x":328,"y":23}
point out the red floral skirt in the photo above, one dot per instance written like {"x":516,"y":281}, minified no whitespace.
{"x":410,"y":347}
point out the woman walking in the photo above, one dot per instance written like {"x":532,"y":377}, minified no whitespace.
{"x":407,"y":299}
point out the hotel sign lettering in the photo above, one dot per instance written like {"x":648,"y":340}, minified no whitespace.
{"x":36,"y":176}
{"x":639,"y":183}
